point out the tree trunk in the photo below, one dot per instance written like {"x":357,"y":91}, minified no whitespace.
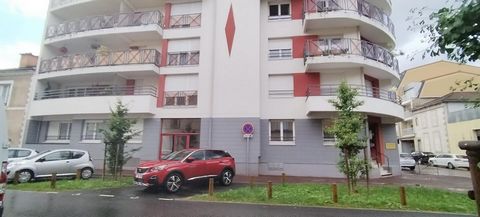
{"x":347,"y":168}
{"x":104,"y":162}
{"x":367,"y":172}
{"x":115,"y":165}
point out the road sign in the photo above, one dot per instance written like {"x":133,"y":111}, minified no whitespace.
{"x":248,"y":130}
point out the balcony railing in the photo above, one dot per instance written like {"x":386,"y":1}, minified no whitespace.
{"x":101,"y":58}
{"x":105,"y":22}
{"x":332,"y":90}
{"x":59,"y":3}
{"x":362,"y":7}
{"x":185,"y":21}
{"x":57,"y":138}
{"x":408,"y":131}
{"x":97,"y":91}
{"x":181,"y":98}
{"x":184,"y":58}
{"x":346,"y":46}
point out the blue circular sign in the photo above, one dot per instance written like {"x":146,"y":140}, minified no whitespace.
{"x":248,"y":128}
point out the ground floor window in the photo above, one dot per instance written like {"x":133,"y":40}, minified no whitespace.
{"x":92,"y":130}
{"x":58,"y":131}
{"x":328,"y":138}
{"x":282,"y":132}
{"x":179,"y":134}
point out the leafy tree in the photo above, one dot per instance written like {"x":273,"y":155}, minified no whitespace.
{"x":116,"y":135}
{"x":347,"y":129}
{"x":452,"y":30}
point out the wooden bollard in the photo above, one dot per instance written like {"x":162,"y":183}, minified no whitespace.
{"x":79,"y":173}
{"x":334,"y":193}
{"x":210,"y":187}
{"x":16,"y":177}
{"x":269,"y":190}
{"x":283,"y":179}
{"x":403,"y":196}
{"x":252,"y":182}
{"x":53,"y":181}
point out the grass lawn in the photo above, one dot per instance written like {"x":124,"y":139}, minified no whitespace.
{"x":72,"y":185}
{"x":379,"y":197}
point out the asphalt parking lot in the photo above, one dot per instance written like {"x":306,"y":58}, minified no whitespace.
{"x":439,"y":171}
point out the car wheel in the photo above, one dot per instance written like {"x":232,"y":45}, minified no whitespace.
{"x":173,"y":183}
{"x":86,"y":173}
{"x":25,"y":176}
{"x":450,"y":166}
{"x":226,"y":177}
{"x":412,"y":168}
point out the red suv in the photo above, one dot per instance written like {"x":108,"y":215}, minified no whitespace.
{"x":179,"y":167}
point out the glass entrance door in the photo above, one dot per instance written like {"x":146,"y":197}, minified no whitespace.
{"x":178,"y":142}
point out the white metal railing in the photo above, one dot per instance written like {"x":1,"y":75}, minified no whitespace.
{"x":362,"y":7}
{"x":98,"y":90}
{"x":332,"y":90}
{"x":181,"y":98}
{"x":347,"y":46}
{"x":100,"y":58}
{"x":185,"y":20}
{"x":183,"y":58}
{"x":279,"y":53}
{"x":105,"y":22}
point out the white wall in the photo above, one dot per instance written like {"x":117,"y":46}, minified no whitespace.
{"x":430,"y":126}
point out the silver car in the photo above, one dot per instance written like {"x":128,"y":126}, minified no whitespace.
{"x":63,"y":162}
{"x":407,"y":161}
{"x":15,"y":154}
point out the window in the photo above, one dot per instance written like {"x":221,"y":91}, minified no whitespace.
{"x":198,"y":155}
{"x":91,"y":130}
{"x":282,"y":132}
{"x":181,"y":90}
{"x":328,"y":138}
{"x":5,"y":91}
{"x":59,"y":155}
{"x":137,"y":127}
{"x":279,"y":11}
{"x":11,"y":153}
{"x":327,"y":5}
{"x":23,"y":153}
{"x":332,"y":46}
{"x":279,"y":49}
{"x":280,"y":86}
{"x":58,"y":131}
{"x":77,"y":154}
{"x":214,"y":154}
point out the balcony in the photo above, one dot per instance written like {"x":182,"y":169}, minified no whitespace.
{"x":187,"y":58}
{"x":185,"y":21}
{"x":112,"y":28}
{"x":408,"y":132}
{"x":181,"y":98}
{"x":102,"y":62}
{"x":374,"y":23}
{"x":94,"y":100}
{"x":376,"y":101}
{"x":337,"y":53}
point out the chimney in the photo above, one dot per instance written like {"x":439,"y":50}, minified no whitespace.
{"x":28,"y":60}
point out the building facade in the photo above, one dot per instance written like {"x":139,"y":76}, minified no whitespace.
{"x":14,"y":86}
{"x":193,"y":72}
{"x":425,"y":125}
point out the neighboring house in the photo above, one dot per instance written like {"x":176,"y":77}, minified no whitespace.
{"x":193,"y":72}
{"x":14,"y":86}
{"x":425,"y":124}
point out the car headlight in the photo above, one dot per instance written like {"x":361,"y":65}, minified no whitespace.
{"x":157,"y":168}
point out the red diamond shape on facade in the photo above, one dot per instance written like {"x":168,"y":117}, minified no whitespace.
{"x":230,"y":30}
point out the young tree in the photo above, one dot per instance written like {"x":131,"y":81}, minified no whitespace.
{"x":116,"y":135}
{"x":347,"y":129}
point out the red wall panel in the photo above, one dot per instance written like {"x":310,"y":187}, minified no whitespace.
{"x":164,"y":52}
{"x":160,"y":90}
{"x":168,"y":13}
{"x":301,"y":82}
{"x":298,"y":45}
{"x":297,"y":9}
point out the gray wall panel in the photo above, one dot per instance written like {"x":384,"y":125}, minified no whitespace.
{"x":390,"y":136}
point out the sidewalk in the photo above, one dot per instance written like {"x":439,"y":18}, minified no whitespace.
{"x":452,"y":183}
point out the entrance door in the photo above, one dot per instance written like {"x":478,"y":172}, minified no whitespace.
{"x":176,"y":142}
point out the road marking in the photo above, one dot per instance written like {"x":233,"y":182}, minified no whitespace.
{"x":166,"y":199}
{"x":77,"y":194}
{"x":134,"y":198}
{"x":51,"y":192}
{"x":106,"y":195}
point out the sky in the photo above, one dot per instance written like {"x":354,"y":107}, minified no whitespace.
{"x":23,"y":23}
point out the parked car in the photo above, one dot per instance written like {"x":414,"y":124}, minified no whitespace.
{"x":407,"y":161}
{"x":15,"y":154}
{"x":450,"y":161}
{"x":179,"y":167}
{"x":422,"y":156}
{"x":64,"y":162}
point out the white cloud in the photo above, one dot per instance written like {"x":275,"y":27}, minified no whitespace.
{"x":28,"y":8}
{"x":10,"y":55}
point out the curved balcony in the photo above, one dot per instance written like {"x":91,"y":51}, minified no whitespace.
{"x":376,"y":101}
{"x":94,"y":100}
{"x":373,"y":22}
{"x":142,"y":25}
{"x":338,"y":53}
{"x":102,"y":62}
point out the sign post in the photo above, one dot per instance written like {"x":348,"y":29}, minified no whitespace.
{"x":247,"y":131}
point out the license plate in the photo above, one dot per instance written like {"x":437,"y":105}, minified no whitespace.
{"x":139,"y":176}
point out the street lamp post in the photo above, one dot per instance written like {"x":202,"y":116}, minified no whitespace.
{"x":473,"y":154}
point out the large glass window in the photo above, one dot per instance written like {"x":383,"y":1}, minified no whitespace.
{"x":328,"y":138}
{"x":280,"y":48}
{"x":91,"y":130}
{"x":279,"y":10}
{"x":58,"y":130}
{"x":5,"y":92}
{"x":282,"y":132}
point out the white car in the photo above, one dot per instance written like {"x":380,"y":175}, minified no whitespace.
{"x":15,"y":154}
{"x":450,"y":161}
{"x":407,"y":161}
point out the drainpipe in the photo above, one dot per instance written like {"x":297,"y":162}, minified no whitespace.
{"x":473,"y":154}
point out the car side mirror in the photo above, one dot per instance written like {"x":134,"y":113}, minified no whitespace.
{"x":41,"y":160}
{"x":190,"y":159}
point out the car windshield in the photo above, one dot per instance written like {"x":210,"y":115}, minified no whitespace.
{"x":34,"y":156}
{"x":177,"y":156}
{"x":406,"y":155}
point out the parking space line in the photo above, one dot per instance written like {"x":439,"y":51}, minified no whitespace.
{"x":77,"y":194}
{"x":106,"y":195}
{"x":165,"y":199}
{"x":134,"y":198}
{"x":51,"y":192}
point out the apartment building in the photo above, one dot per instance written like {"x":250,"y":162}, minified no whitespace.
{"x":194,"y":72}
{"x":426,"y":95}
{"x":14,"y":86}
